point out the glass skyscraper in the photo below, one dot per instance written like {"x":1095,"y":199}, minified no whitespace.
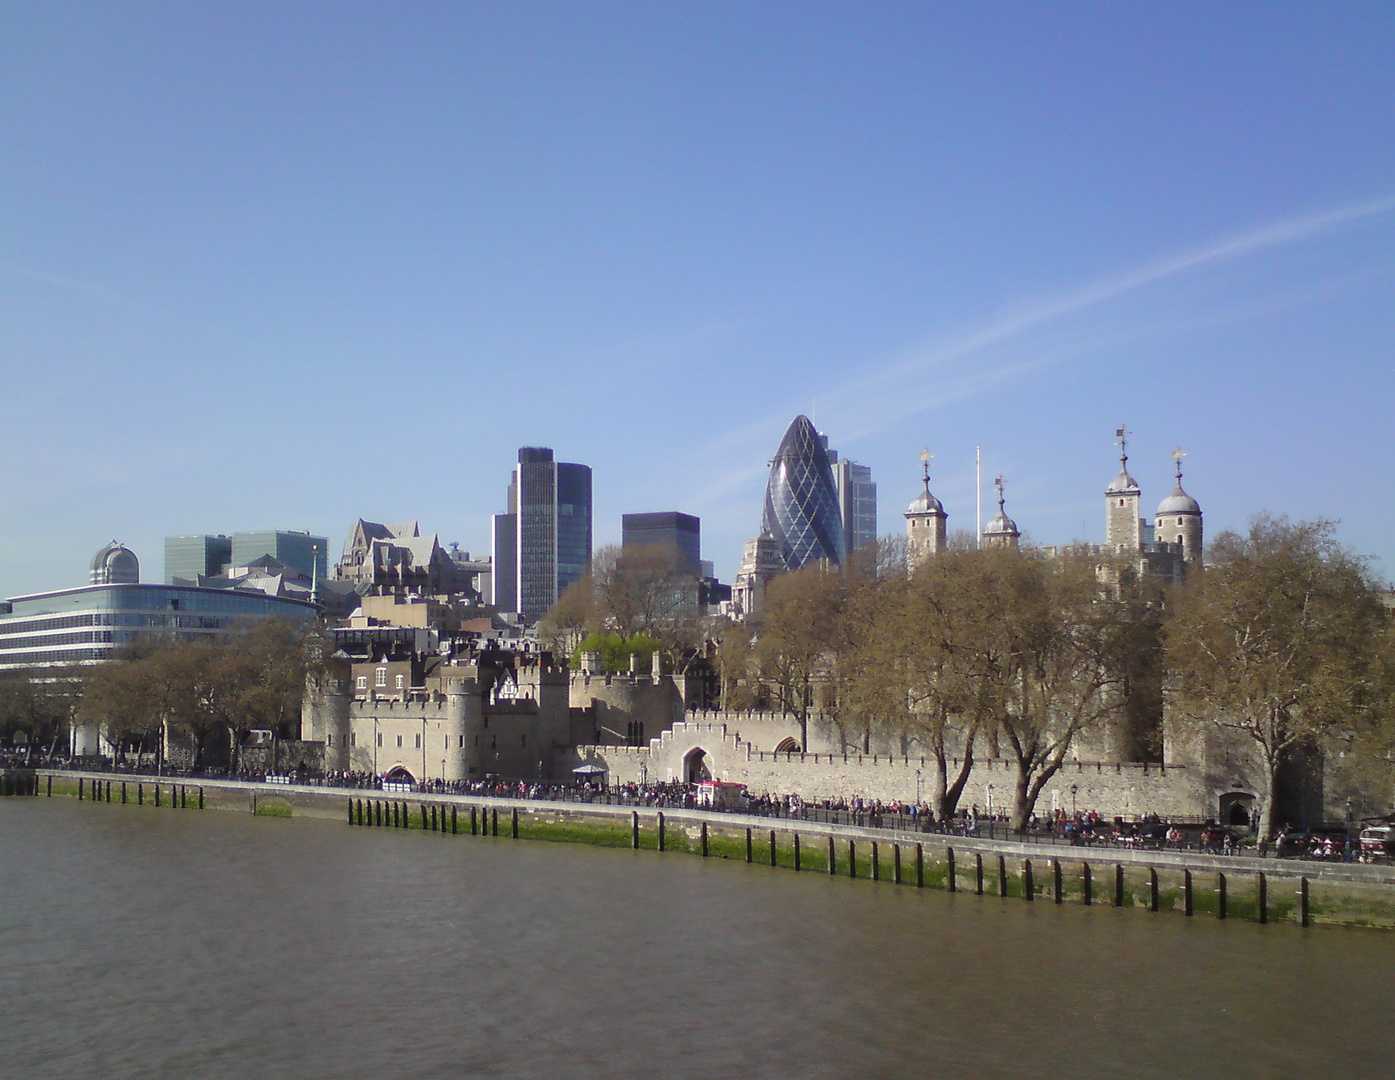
{"x":802,"y":512}
{"x":543,"y":543}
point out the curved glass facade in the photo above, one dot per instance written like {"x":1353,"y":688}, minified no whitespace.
{"x":801,"y":500}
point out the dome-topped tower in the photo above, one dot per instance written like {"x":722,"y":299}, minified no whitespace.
{"x":115,"y":564}
{"x":1178,"y":519}
{"x":1123,"y":526}
{"x":925,"y":520}
{"x":1002,"y":530}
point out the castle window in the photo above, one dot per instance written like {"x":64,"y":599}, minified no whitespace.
{"x":401,"y":681}
{"x":462,"y":741}
{"x":418,"y":742}
{"x":329,"y":740}
{"x":362,"y":682}
{"x":399,"y":742}
{"x":380,"y":679}
{"x":353,"y":738}
{"x":380,"y":738}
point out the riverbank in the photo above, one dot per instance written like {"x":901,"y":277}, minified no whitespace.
{"x":1162,"y":882}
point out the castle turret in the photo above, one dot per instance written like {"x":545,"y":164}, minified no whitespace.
{"x":925,"y":521}
{"x":1002,"y":530}
{"x":1178,"y":520}
{"x":1123,"y":526}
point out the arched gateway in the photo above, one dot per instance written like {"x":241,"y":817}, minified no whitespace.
{"x":695,"y":769}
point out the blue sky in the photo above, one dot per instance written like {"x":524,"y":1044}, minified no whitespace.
{"x":288,"y":265}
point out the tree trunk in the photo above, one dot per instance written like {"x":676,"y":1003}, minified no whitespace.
{"x":1023,"y":799}
{"x":1264,"y":829}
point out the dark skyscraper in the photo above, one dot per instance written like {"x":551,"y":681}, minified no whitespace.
{"x":680,"y":533}
{"x":801,"y":499}
{"x":543,"y":543}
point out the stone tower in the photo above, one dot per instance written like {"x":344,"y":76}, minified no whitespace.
{"x":925,"y":521}
{"x":1002,"y":530}
{"x":1123,"y":526}
{"x":1178,"y":520}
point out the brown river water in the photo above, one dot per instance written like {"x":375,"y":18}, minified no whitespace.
{"x":137,"y":943}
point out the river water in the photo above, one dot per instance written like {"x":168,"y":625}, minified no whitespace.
{"x":153,"y":944}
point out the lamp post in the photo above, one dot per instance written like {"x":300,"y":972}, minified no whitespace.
{"x":918,"y":782}
{"x":990,"y":813}
{"x":1073,"y":789}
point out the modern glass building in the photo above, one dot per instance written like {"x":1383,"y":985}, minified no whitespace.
{"x":84,"y":626}
{"x":190,"y":557}
{"x":802,"y":513}
{"x":298,"y":550}
{"x":680,"y":533}
{"x":543,"y":543}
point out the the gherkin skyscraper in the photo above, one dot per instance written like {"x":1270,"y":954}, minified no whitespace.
{"x":801,"y":499}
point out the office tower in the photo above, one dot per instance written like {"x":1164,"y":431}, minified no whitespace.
{"x":298,"y":550}
{"x":189,"y":557}
{"x":857,"y":502}
{"x":547,"y":529}
{"x":801,"y":500}
{"x":679,"y":533}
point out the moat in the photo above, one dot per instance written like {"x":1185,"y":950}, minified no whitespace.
{"x":222,"y":945}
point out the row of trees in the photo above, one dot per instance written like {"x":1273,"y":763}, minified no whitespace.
{"x":214,"y":689}
{"x":1283,"y":641}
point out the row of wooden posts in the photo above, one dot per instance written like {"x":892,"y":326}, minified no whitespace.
{"x":173,"y":795}
{"x":485,"y":821}
{"x":16,"y":783}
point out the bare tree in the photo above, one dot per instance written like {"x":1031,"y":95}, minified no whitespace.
{"x":1279,"y":641}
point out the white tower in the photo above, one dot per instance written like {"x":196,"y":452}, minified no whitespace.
{"x":1123,"y":526}
{"x":1002,"y":530}
{"x":1178,"y":519}
{"x":925,"y":521}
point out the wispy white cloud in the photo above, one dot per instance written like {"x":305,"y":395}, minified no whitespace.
{"x":975,"y":360}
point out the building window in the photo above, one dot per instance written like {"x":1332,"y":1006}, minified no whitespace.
{"x":462,"y":742}
{"x":418,"y":742}
{"x":401,"y":681}
{"x":353,"y":738}
{"x":380,"y":738}
{"x":329,"y":740}
{"x":381,"y":679}
{"x":362,"y":682}
{"x":399,"y":742}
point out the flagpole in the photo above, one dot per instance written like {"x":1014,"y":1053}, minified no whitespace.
{"x":978,"y":496}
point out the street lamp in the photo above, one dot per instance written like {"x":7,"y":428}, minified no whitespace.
{"x":917,"y":788}
{"x":990,"y":812}
{"x":1073,"y":789}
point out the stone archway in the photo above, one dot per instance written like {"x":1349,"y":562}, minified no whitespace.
{"x":788,"y":746}
{"x":1237,"y":809}
{"x":398,"y":778}
{"x":695,"y":767}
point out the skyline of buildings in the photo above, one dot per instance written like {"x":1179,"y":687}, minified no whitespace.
{"x":542,"y":542}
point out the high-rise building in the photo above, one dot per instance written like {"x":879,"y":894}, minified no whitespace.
{"x":802,"y":513}
{"x":679,"y":533}
{"x":298,"y":550}
{"x":190,"y":557}
{"x":543,"y":543}
{"x":857,"y":503}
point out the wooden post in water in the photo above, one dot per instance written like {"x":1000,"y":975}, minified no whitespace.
{"x":876,"y":862}
{"x":1187,"y":893}
{"x":772,"y":848}
{"x":951,"y":880}
{"x":896,"y":864}
{"x":704,"y":839}
{"x":200,"y":796}
{"x":79,"y":789}
{"x":50,"y":785}
{"x":1086,"y":884}
{"x":796,"y":852}
{"x":123,"y":792}
{"x":832,"y":856}
{"x":920,"y":866}
{"x":140,"y":794}
{"x":1056,"y":891}
{"x":1220,"y":896}
{"x":1303,"y":902}
{"x":1152,"y":889}
{"x":1002,"y":877}
{"x":978,"y":873}
{"x":852,"y":858}
{"x":1263,"y":898}
{"x":494,"y":819}
{"x":661,"y":830}
{"x":1029,"y":886}
{"x":1118,"y":885}
{"x":750,"y":848}
{"x":455,"y":821}
{"x":515,"y":823}
{"x":157,"y":796}
{"x":474,"y":821}
{"x":351,"y":811}
{"x":634,"y":830}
